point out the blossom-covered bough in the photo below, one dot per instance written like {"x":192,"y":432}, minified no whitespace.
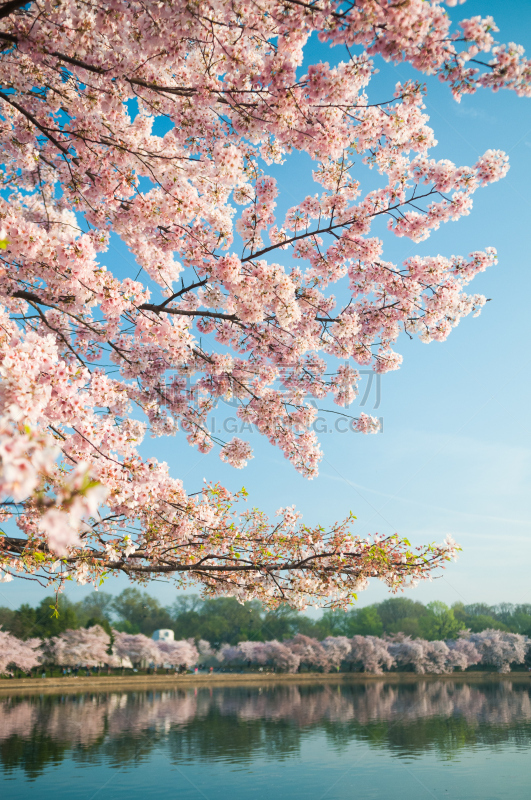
{"x":224,"y":304}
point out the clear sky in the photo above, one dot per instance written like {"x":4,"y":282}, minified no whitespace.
{"x":455,"y":452}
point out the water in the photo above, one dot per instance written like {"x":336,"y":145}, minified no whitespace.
{"x":318,"y":742}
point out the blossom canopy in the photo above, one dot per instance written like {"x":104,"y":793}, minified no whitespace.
{"x":275,"y":314}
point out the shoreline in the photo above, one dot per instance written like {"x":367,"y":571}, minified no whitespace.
{"x":106,"y":683}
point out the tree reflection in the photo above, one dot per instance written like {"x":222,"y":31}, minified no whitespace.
{"x":239,"y":724}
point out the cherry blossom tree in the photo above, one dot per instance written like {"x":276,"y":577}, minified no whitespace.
{"x":116,"y":662}
{"x":377,"y":655}
{"x":17,"y":653}
{"x":310,"y":651}
{"x":90,"y":647}
{"x":278,"y":654}
{"x":463,"y":653}
{"x":230,"y":654}
{"x":91,"y":360}
{"x":139,"y":649}
{"x":500,"y":649}
{"x":282,"y":657}
{"x":337,"y":650}
{"x":84,"y":646}
{"x":424,"y":656}
{"x":372,"y":652}
{"x":206,"y":652}
{"x":182,"y":653}
{"x":244,"y":653}
{"x":205,"y":648}
{"x":254,"y":652}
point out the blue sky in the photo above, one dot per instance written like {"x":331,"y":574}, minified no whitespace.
{"x":455,"y":452}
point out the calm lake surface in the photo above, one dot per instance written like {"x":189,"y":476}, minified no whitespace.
{"x":395,"y":742}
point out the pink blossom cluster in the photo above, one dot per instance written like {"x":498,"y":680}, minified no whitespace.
{"x":419,"y":32}
{"x":140,"y":650}
{"x":276,"y":653}
{"x":492,"y":647}
{"x":84,"y":646}
{"x":14,"y":652}
{"x":372,"y":653}
{"x":182,"y":653}
{"x":500,"y":648}
{"x":91,"y":360}
{"x":424,"y":656}
{"x":92,"y":647}
{"x":236,"y":453}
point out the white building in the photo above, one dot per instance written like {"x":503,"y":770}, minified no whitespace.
{"x":164,"y":635}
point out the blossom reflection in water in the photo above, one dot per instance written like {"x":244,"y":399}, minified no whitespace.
{"x":89,"y":720}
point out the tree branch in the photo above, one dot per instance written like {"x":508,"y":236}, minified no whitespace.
{"x":184,"y":313}
{"x":35,"y":122}
{"x":329,"y":229}
{"x":7,"y":8}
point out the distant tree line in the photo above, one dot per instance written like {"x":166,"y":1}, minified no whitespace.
{"x":225,"y":621}
{"x":93,"y":648}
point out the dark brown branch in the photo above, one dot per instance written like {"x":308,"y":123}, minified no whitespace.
{"x":182,"y":291}
{"x":22,"y":294}
{"x":328,"y":229}
{"x":312,"y":562}
{"x":7,"y":8}
{"x":184,"y":313}
{"x":35,"y":122}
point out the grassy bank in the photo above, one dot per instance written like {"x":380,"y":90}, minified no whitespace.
{"x":106,"y":683}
